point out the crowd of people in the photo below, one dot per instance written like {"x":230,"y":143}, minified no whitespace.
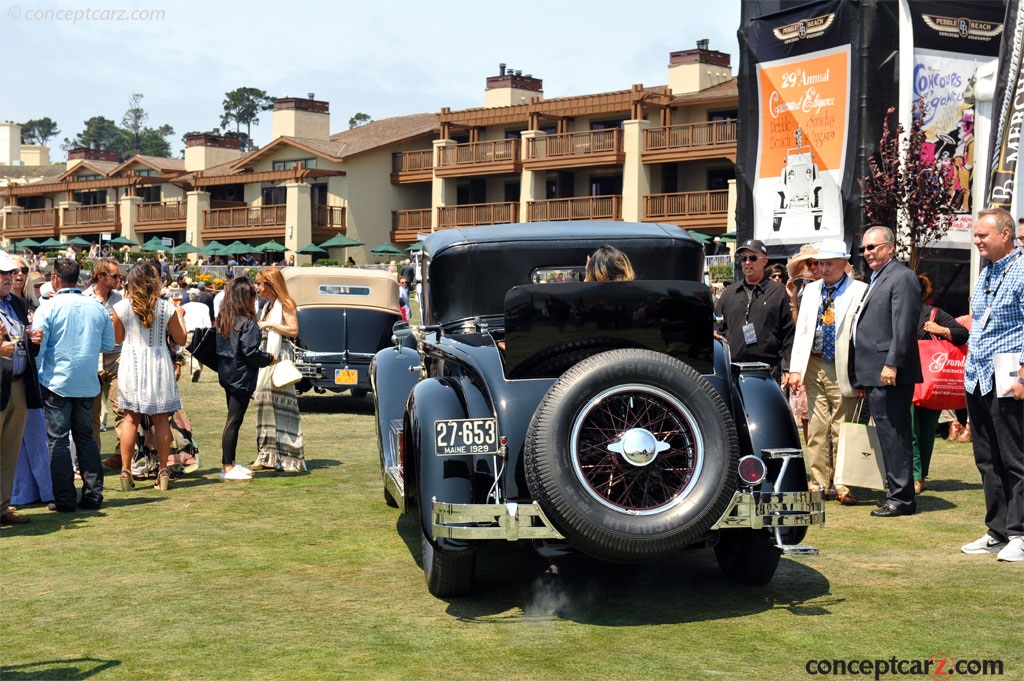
{"x":836,"y":339}
{"x":66,"y":352}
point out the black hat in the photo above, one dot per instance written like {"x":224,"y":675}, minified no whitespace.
{"x":753,"y":245}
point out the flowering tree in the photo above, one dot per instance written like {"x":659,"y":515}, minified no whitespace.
{"x":908,"y":192}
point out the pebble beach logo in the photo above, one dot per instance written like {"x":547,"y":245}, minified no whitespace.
{"x":940,"y":360}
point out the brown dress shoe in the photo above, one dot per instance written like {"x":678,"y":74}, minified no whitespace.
{"x":10,"y":519}
{"x":954,"y":431}
{"x":965,"y":434}
{"x":847,"y":499}
{"x":918,"y":486}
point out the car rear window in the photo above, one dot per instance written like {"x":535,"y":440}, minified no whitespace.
{"x":337,"y":329}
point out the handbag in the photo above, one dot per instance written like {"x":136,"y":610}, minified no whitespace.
{"x":285,"y":374}
{"x":203,"y":347}
{"x":942,"y":371}
{"x":857,"y":461}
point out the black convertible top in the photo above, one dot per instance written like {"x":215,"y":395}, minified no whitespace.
{"x":469,"y":270}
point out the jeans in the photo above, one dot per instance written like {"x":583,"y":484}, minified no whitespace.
{"x":74,"y":415}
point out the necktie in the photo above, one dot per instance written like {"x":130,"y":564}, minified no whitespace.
{"x":827,"y":319}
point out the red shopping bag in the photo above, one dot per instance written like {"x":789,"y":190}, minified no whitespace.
{"x":942,"y":368}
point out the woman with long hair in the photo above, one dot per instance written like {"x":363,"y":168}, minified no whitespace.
{"x":238,"y":359}
{"x":146,"y":384}
{"x":278,"y":425}
{"x":609,"y":264}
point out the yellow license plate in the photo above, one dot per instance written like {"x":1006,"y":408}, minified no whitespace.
{"x":346,"y":376}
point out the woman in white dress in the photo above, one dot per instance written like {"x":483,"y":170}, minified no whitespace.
{"x":146,"y":384}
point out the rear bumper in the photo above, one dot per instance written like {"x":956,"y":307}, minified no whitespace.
{"x":515,"y":521}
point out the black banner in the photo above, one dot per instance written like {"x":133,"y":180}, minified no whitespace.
{"x":1007,"y":112}
{"x":942,"y":25}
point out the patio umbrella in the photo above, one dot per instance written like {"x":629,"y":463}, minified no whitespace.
{"x":728,"y":236}
{"x":184,"y":248}
{"x":79,"y":241}
{"x":385,"y":249}
{"x":154,"y":244}
{"x":310,"y":249}
{"x":27,"y":243}
{"x":50,"y":243}
{"x":700,"y":236}
{"x":212,"y":248}
{"x":340,"y":241}
{"x":413,"y":247}
{"x":271,"y":247}
{"x":122,"y":241}
{"x":237,"y":248}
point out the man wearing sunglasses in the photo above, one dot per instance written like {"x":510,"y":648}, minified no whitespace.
{"x":884,"y":363}
{"x":755,"y":313}
{"x":106,"y":279}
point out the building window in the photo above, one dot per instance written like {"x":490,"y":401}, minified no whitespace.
{"x":148,"y":172}
{"x":298,"y":163}
{"x":87,"y":178}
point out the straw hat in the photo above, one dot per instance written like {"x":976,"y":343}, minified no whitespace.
{"x":797,"y":265}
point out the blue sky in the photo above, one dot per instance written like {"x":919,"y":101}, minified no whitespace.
{"x":383,"y":58}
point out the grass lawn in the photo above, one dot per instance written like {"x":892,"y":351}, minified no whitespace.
{"x":313,"y":577}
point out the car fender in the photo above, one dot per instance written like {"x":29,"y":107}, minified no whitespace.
{"x":764,"y":421}
{"x":393,"y":375}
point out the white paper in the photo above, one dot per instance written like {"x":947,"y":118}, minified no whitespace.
{"x":1007,"y":365}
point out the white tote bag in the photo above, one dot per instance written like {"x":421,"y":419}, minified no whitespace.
{"x":858,"y":462}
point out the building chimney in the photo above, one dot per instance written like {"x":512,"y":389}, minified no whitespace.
{"x":511,"y":88}
{"x":696,"y":70}
{"x":205,"y":151}
{"x":308,"y":118}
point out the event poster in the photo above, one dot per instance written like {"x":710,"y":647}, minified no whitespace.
{"x":804,"y":111}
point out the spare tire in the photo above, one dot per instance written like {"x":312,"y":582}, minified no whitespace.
{"x":632,"y":455}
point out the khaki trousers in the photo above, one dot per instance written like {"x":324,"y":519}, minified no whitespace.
{"x":828,"y":409}
{"x":12,"y":429}
{"x":108,"y":384}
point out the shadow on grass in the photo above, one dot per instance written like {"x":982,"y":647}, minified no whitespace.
{"x":333,"y":403}
{"x":76,"y":668}
{"x":686,"y":587}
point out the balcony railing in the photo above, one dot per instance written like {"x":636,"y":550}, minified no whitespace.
{"x":686,"y":204}
{"x":581,"y":208}
{"x":691,"y":135}
{"x":161,"y":211}
{"x":330,"y":217}
{"x":574,"y":144}
{"x":479,"y":153}
{"x":106,"y":213}
{"x":406,"y":224}
{"x":249,"y":216}
{"x":412,"y":161}
{"x":25,"y":219}
{"x":477,"y":214}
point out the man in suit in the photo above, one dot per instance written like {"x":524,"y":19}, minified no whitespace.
{"x":885,"y":363}
{"x":19,"y":386}
{"x":820,"y":361}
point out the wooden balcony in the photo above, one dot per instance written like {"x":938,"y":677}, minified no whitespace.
{"x":406,"y":224}
{"x":105,"y":217}
{"x":580,"y":208}
{"x":575,"y":150}
{"x":160,"y":216}
{"x":688,"y":209}
{"x":477,"y":214}
{"x":331,"y":218}
{"x":691,"y":142}
{"x":479,"y":158}
{"x":248,"y":222}
{"x":412,"y":166}
{"x":38,"y":224}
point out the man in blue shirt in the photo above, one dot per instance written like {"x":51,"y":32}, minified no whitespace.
{"x":997,"y":416}
{"x":76,"y":329}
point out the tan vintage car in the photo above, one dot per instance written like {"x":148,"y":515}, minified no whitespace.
{"x":345,"y":317}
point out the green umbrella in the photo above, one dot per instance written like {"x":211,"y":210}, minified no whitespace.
{"x":271,"y":247}
{"x":340,"y":241}
{"x":51,"y":243}
{"x":154,"y":244}
{"x":700,"y":236}
{"x":212,"y":248}
{"x":310,"y":249}
{"x":728,"y":236}
{"x":79,"y":241}
{"x":184,"y":248}
{"x":27,"y":243}
{"x":237,"y":248}
{"x":417,"y":246}
{"x":122,"y":241}
{"x":385,"y":249}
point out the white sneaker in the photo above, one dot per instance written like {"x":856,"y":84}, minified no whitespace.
{"x":985,"y":544}
{"x":1013,"y":552}
{"x":237,"y":473}
{"x":243,"y":469}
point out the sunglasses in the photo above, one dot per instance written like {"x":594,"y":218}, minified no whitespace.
{"x":775,"y":276}
{"x":113,"y":276}
{"x":749,"y":258}
{"x":23,"y":270}
{"x":871,"y":247}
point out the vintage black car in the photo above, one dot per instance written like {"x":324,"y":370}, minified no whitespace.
{"x":596,"y":417}
{"x":345,"y":317}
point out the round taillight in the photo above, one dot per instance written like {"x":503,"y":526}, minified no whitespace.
{"x":752,"y":470}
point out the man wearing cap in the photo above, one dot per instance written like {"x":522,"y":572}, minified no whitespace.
{"x":885,"y":365}
{"x":820,"y":360}
{"x":755,"y":313}
{"x":19,"y":386}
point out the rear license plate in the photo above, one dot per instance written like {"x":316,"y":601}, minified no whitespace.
{"x":346,"y":376}
{"x":465,"y":436}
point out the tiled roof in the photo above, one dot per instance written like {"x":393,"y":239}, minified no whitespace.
{"x":721,"y":91}
{"x":383,"y":132}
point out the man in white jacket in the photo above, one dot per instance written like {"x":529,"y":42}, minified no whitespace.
{"x":820,"y":358}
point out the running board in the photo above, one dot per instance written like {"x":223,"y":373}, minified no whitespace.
{"x":796,"y":550}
